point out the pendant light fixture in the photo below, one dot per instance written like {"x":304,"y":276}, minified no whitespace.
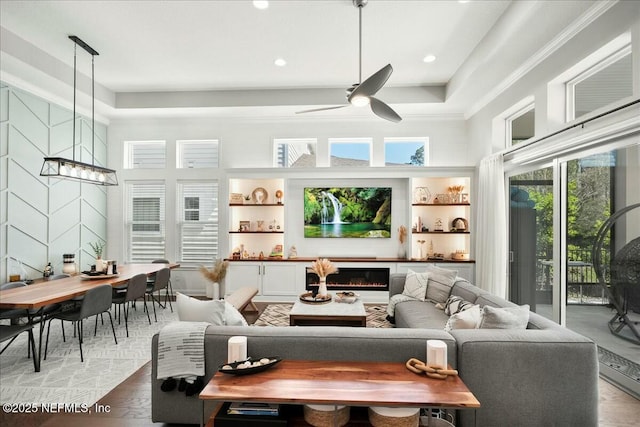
{"x":58,"y":167}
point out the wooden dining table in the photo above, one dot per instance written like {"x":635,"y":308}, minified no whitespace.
{"x":34,"y":297}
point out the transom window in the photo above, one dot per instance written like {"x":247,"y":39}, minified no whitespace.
{"x":350,"y":152}
{"x":406,"y":151}
{"x":606,"y":82}
{"x":197,"y":154}
{"x":521,"y":125}
{"x":294,"y":153}
{"x":144,"y":155}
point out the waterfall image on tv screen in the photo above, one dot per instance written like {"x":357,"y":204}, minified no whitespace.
{"x":347,"y":212}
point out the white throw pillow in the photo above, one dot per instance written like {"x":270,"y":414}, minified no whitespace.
{"x":441,"y":281}
{"x":195,"y":310}
{"x":415,"y":285}
{"x":233,"y":317}
{"x":504,"y":317}
{"x":466,"y":319}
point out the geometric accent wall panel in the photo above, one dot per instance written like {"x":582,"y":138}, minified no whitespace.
{"x":28,"y":220}
{"x":30,"y":118}
{"x":43,"y":218}
{"x":27,"y":187}
{"x":62,"y":193}
{"x":28,"y":250}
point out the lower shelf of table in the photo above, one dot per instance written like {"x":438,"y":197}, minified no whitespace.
{"x":295,"y":418}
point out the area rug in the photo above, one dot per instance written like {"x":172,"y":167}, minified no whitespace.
{"x":63,"y":377}
{"x":278,"y":315}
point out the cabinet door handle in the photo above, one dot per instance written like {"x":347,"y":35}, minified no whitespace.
{"x":259,"y":270}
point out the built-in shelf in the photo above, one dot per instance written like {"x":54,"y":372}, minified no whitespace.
{"x":441,"y":232}
{"x":440,"y":204}
{"x":256,"y":232}
{"x":254,"y":204}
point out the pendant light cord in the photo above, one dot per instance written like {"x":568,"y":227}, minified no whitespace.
{"x":93,"y":108}
{"x":360,"y":44}
{"x":73,"y":154}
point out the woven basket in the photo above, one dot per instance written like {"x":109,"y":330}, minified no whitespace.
{"x":325,"y":415}
{"x":394,"y":417}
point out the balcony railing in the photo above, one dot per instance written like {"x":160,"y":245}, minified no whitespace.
{"x":582,"y":282}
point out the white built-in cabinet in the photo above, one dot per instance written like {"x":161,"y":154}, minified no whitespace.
{"x":271,"y":278}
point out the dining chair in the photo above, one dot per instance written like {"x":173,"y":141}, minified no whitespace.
{"x":136,"y":289}
{"x":11,"y":332}
{"x":169,"y":290}
{"x":96,"y":301}
{"x":162,"y":278}
{"x":13,"y":314}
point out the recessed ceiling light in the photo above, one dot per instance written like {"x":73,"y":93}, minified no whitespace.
{"x":280,"y":62}
{"x":260,"y":4}
{"x":459,"y":1}
{"x":429,"y":58}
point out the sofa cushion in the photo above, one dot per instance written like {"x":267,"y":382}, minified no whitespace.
{"x":441,"y":281}
{"x":504,"y":318}
{"x":455,"y":304}
{"x":415,"y":285}
{"x":465,"y":319}
{"x":195,"y":310}
{"x":419,"y":314}
{"x":466,"y":290}
{"x":486,"y":298}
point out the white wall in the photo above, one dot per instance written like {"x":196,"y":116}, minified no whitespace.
{"x":622,"y":17}
{"x":247,"y":143}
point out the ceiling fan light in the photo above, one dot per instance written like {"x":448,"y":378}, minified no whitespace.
{"x":359,"y":101}
{"x":261,"y":4}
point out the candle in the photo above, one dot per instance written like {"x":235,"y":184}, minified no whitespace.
{"x":236,"y":349}
{"x":437,"y":353}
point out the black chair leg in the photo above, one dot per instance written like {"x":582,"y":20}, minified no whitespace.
{"x":126,"y":319}
{"x":36,"y":360}
{"x":80,"y":335}
{"x":144,"y":300}
{"x":169,"y":297}
{"x":46,"y":347}
{"x":112,"y":328}
{"x":153,"y":303}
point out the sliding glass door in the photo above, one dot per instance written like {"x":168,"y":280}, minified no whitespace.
{"x":531,"y":213}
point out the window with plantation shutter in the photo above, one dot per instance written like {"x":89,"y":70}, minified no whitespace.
{"x":144,"y":155}
{"x":197,"y":154}
{"x":145,"y":221}
{"x":197,"y":222}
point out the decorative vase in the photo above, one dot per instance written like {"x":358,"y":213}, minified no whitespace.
{"x":212,"y":290}
{"x":402,"y":252}
{"x":99,"y":264}
{"x":322,"y":287}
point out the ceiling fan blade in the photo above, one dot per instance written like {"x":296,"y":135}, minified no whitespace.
{"x":373,"y":84}
{"x":322,"y":109}
{"x":383,"y":110}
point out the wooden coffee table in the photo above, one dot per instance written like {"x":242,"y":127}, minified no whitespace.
{"x":340,"y":383}
{"x":328,"y":314}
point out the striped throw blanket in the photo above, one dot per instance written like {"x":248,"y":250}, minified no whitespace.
{"x":181,"y":350}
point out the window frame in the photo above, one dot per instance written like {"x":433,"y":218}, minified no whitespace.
{"x":209,"y":222}
{"x":129,"y":158}
{"x":133,"y":187}
{"x":180,"y":152}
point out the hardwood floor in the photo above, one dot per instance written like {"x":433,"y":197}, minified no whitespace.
{"x":130,"y":405}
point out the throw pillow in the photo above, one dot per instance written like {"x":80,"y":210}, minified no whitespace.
{"x":466,"y":319}
{"x":415,"y":285}
{"x":505,"y":317}
{"x":455,"y":304}
{"x":233,"y":317}
{"x":195,"y":310}
{"x":441,"y":281}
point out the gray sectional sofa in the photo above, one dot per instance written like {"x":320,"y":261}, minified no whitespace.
{"x":545,"y":375}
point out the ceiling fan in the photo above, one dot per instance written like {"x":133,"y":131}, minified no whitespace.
{"x":361,"y":94}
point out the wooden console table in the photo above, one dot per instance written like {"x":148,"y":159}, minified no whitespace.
{"x":340,"y":383}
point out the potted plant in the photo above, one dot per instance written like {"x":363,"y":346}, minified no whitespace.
{"x":98,"y":248}
{"x":215,"y":275}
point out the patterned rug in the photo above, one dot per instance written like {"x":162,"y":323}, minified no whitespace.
{"x":63,"y":378}
{"x":278,"y":315}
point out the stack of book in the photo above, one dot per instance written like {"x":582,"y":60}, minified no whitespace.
{"x":253,"y":408}
{"x":251,"y":414}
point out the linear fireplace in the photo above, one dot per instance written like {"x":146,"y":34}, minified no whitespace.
{"x":352,"y":279}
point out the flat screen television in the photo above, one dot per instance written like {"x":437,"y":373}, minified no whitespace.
{"x":359,"y":212}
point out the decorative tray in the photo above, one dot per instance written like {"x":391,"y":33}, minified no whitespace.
{"x":246,"y":367}
{"x":308,"y":298}
{"x":93,"y":276}
{"x":347,"y":297}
